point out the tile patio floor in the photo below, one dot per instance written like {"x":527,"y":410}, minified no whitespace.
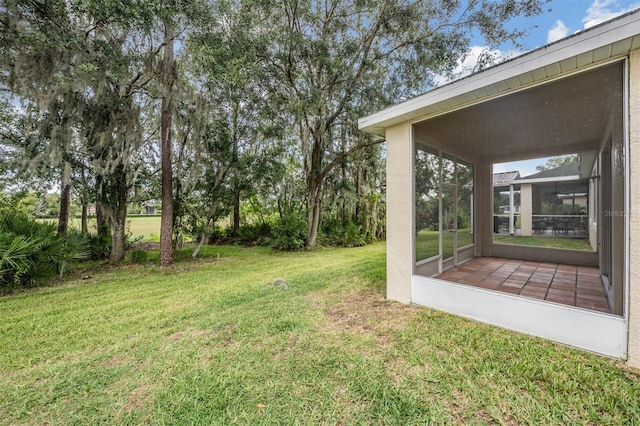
{"x":566,"y":284}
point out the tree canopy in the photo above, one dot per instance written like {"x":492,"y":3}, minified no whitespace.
{"x":555,"y":162}
{"x":239,"y":109}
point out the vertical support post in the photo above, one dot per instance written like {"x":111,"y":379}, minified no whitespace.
{"x":472,"y":207}
{"x":526,"y":209}
{"x":483,"y":210}
{"x":511,"y":208}
{"x":634,"y":210}
{"x":400,"y":212}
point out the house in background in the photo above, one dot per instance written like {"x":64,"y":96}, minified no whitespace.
{"x":150,"y":206}
{"x":556,"y":201}
{"x":578,"y":95}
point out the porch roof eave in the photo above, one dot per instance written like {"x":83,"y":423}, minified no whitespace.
{"x":549,"y":179}
{"x":600,"y":44}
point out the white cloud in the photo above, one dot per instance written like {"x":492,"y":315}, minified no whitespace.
{"x":557,"y":32}
{"x":603,"y":10}
{"x":477,"y":58}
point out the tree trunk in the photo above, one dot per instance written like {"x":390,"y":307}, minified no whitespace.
{"x":343,"y":172}
{"x":314,"y":206}
{"x":374,"y":218}
{"x":166,"y":222}
{"x":356,"y":213}
{"x":101,"y":217}
{"x":65,"y":200}
{"x":101,"y":220}
{"x":236,"y":212}
{"x":206,"y":232}
{"x":234,"y":160}
{"x":117,"y":240}
{"x":85,"y":221}
{"x":203,"y":239}
{"x":103,"y":224}
{"x":314,"y":222}
{"x":344,"y":214}
{"x":119,"y":216}
{"x":314,"y":189}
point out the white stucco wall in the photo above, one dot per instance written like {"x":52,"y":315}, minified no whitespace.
{"x":634,"y":206}
{"x":400,"y":258}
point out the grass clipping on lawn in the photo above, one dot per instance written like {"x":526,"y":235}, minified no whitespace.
{"x":252,"y":336}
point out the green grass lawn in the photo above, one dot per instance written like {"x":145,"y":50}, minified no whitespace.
{"x":427,"y":243}
{"x":144,"y":226}
{"x":138,"y":226}
{"x":213,"y":341}
{"x":538,"y":241}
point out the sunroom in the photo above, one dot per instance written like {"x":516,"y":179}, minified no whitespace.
{"x":577,"y":96}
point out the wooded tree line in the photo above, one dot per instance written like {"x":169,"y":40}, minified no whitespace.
{"x":222,"y":107}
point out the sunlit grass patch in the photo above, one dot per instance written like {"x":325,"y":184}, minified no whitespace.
{"x":427,"y":242}
{"x":538,"y":241}
{"x":214,"y":341}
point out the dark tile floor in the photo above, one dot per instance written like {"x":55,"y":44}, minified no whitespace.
{"x":566,"y":284}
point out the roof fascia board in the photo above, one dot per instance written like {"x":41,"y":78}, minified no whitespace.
{"x":549,"y":179}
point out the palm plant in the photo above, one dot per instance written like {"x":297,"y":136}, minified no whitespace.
{"x":31,"y":251}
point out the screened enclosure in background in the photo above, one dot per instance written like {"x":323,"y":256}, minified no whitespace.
{"x":443,"y":204}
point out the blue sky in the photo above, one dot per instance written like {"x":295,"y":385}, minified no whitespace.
{"x":563,"y":18}
{"x":525,"y":168}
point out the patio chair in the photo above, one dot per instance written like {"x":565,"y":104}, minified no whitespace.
{"x":561,"y":226}
{"x":539,"y":226}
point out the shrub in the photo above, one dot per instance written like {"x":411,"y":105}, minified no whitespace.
{"x":254,"y":233}
{"x":290,"y":234}
{"x":350,"y":234}
{"x":217,"y":234}
{"x":31,"y":251}
{"x":130,"y":240}
{"x":138,"y":256}
{"x":353,"y":236}
{"x":331,"y":232}
{"x":100,"y":245}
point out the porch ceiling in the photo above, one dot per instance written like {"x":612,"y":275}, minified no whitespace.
{"x":565,"y":116}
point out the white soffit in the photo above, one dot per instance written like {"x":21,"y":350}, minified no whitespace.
{"x":547,"y":180}
{"x":610,"y":40}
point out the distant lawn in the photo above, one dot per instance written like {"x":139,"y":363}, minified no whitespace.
{"x":144,"y":226}
{"x":565,"y":243}
{"x":214,"y":342}
{"x":138,"y":226}
{"x":427,"y":243}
